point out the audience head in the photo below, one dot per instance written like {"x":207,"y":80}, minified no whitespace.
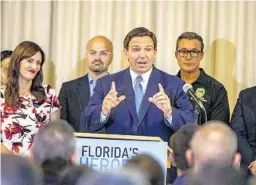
{"x":214,"y":143}
{"x":26,"y":64}
{"x":217,"y":175}
{"x":180,"y":143}
{"x":189,"y":49}
{"x":120,"y":178}
{"x":72,"y":175}
{"x":54,"y":146}
{"x":99,"y":54}
{"x":149,"y":166}
{"x":140,"y":47}
{"x":5,"y":61}
{"x":18,"y":170}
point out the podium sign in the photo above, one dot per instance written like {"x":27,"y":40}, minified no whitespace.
{"x":113,"y":153}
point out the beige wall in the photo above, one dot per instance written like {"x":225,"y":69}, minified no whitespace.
{"x":63,"y":28}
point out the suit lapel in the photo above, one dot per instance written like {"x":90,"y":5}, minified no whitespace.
{"x":130,"y":99}
{"x":151,"y":89}
{"x":83,"y":90}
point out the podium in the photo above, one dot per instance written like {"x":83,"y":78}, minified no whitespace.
{"x":105,"y":152}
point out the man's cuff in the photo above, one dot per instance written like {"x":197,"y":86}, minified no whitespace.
{"x":169,"y":120}
{"x":103,"y":118}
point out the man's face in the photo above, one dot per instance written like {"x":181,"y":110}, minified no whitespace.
{"x":141,"y":54}
{"x":99,"y":56}
{"x":189,"y":55}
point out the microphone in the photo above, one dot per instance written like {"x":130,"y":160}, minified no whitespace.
{"x":188,"y":89}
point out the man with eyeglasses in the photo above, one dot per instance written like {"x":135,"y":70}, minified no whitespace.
{"x":75,"y":94}
{"x":189,"y":53}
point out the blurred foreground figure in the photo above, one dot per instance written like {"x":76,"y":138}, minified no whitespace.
{"x":16,"y":170}
{"x":147,"y":165}
{"x":74,"y":174}
{"x":54,"y":149}
{"x":218,"y":175}
{"x":180,"y":144}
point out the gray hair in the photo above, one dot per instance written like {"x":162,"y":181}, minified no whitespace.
{"x":214,"y":142}
{"x":56,"y":139}
{"x":190,"y":36}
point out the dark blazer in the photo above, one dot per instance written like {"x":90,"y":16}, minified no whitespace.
{"x":74,"y":96}
{"x":123,"y":119}
{"x":243,"y":122}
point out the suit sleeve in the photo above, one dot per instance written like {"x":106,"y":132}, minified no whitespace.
{"x":63,"y":98}
{"x":220,"y":109}
{"x":238,"y":125}
{"x":90,"y":117}
{"x":182,"y":110}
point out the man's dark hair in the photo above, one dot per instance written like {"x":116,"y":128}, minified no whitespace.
{"x":18,"y":170}
{"x":5,"y":54}
{"x":74,"y":174}
{"x":190,"y":36}
{"x":148,"y":165}
{"x":180,"y":142}
{"x":139,"y":32}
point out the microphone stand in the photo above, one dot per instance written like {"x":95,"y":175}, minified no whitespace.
{"x":199,"y":109}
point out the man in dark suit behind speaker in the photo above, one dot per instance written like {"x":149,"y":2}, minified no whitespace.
{"x":75,"y":94}
{"x":243,"y":122}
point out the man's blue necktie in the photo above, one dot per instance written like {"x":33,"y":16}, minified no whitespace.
{"x":138,"y":92}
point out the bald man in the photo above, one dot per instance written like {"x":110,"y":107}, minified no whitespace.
{"x":214,"y":143}
{"x":75,"y":94}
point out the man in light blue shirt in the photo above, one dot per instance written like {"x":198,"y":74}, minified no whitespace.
{"x":75,"y":94}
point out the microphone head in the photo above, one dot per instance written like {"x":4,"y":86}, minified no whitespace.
{"x":186,"y":87}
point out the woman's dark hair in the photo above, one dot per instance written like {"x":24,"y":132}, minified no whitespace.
{"x":25,"y":49}
{"x":5,"y":54}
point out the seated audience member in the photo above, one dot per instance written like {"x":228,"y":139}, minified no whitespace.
{"x":218,"y":175}
{"x":72,"y":175}
{"x":180,"y":143}
{"x":75,"y":94}
{"x":214,"y":143}
{"x":16,"y":170}
{"x":54,"y":149}
{"x":5,"y":60}
{"x":243,"y":122}
{"x":148,"y":166}
{"x":120,"y":178}
{"x":25,"y":103}
{"x":252,"y":181}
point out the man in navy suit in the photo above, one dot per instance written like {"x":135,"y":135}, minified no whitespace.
{"x":75,"y":94}
{"x":243,"y":122}
{"x":164,"y":108}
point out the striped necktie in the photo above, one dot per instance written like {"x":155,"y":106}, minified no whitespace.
{"x":138,"y":92}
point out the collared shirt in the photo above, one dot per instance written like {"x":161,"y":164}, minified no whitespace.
{"x":144,"y":83}
{"x":145,"y":77}
{"x":214,"y":97}
{"x":92,"y":84}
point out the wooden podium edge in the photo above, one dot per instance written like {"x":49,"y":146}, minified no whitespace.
{"x":125,"y":137}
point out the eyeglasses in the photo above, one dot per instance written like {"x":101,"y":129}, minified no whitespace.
{"x":104,"y":53}
{"x":184,"y":53}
